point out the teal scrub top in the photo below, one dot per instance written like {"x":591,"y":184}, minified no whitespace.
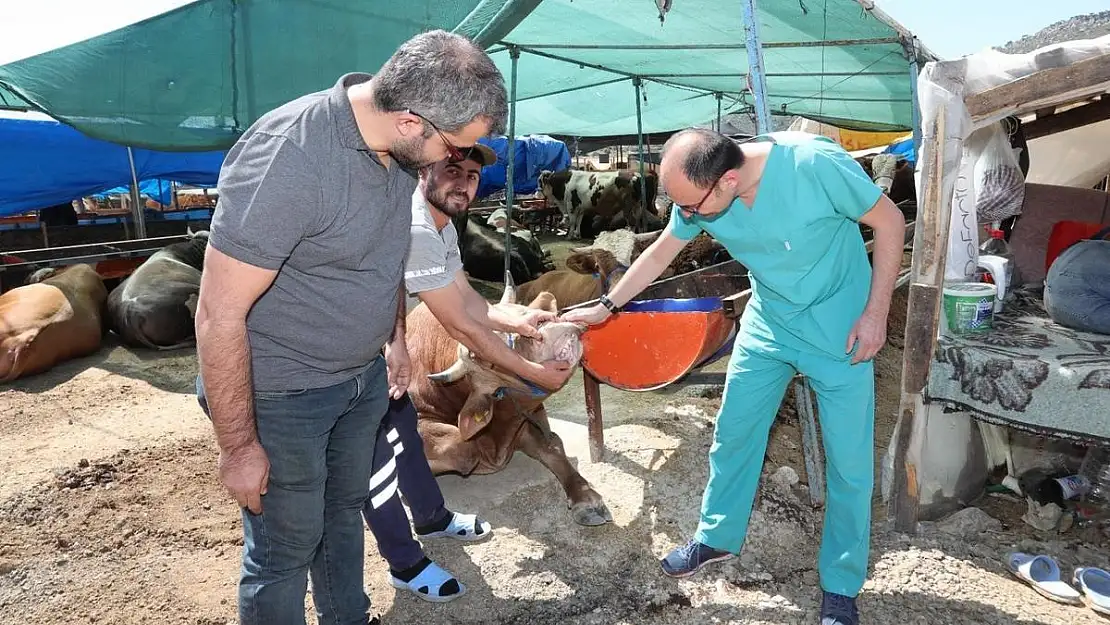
{"x":800,"y":242}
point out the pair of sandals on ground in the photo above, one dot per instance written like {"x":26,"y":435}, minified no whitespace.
{"x":1043,"y":574}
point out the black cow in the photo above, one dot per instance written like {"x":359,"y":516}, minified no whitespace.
{"x":156,"y":305}
{"x":483,"y":253}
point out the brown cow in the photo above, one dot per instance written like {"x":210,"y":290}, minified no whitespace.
{"x":588,"y":274}
{"x":473,"y":419}
{"x":702,"y":251}
{"x":57,"y":316}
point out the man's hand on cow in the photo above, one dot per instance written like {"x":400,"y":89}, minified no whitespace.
{"x":591,"y":315}
{"x":552,"y":374}
{"x":868,"y":336}
{"x":530,"y":322}
{"x":245,"y":471}
{"x":398,"y":368}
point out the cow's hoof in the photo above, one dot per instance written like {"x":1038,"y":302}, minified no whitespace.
{"x":591,"y":514}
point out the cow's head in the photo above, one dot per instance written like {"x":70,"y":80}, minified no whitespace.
{"x":597,"y":262}
{"x":561,"y":341}
{"x":544,"y":178}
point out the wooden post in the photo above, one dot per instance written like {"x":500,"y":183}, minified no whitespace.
{"x":930,"y":250}
{"x":593,"y":414}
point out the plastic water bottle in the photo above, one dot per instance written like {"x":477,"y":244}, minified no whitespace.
{"x":996,"y":245}
{"x":1096,"y":469}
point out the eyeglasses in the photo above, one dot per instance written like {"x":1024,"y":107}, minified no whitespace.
{"x":454,"y":154}
{"x":694,"y":208}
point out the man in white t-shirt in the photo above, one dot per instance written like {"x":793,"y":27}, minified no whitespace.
{"x":434,"y":274}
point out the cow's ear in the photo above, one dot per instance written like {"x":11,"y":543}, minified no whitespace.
{"x":475,"y":415}
{"x":583,"y":263}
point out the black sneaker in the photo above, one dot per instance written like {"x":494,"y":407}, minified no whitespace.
{"x":838,"y":610}
{"x":684,"y":561}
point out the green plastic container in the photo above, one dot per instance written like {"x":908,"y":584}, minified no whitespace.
{"x":969,"y":307}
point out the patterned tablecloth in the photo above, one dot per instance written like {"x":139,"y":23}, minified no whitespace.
{"x":1028,"y":372}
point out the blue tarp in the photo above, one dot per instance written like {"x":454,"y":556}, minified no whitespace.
{"x":902,"y":149}
{"x":533,"y":154}
{"x":44,"y":163}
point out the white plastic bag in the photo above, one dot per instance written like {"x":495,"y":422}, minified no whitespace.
{"x":999,"y":184}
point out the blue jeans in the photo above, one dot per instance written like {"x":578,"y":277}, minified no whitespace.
{"x":1077,"y":287}
{"x":320,"y":444}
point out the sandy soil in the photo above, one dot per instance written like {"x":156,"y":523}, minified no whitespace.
{"x":111,"y":512}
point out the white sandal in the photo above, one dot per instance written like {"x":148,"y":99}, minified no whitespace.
{"x":1095,"y":586}
{"x":1043,"y":575}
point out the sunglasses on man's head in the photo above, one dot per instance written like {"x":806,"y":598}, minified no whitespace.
{"x":454,"y":154}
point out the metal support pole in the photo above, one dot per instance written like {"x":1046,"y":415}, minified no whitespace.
{"x":757,"y":74}
{"x":136,"y":200}
{"x":718,"y":112}
{"x":510,"y":152}
{"x":915,"y":106}
{"x":639,"y":225}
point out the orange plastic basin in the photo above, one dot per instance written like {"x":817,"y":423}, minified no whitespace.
{"x":653,"y":343}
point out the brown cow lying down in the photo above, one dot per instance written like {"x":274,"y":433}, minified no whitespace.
{"x":588,"y":275}
{"x":469,"y":427}
{"x":57,"y":316}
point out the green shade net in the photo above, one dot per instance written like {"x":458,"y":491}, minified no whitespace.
{"x":697,"y":52}
{"x":195,"y":77}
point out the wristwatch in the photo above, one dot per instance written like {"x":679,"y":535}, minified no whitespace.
{"x":608,"y":303}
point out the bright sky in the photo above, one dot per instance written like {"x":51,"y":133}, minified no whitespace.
{"x":954,"y":28}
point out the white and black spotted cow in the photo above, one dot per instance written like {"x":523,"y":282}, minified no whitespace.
{"x":582,"y":194}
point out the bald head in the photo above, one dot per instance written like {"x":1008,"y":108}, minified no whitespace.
{"x":701,"y":155}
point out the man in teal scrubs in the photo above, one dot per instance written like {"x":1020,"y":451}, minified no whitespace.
{"x":788,"y":207}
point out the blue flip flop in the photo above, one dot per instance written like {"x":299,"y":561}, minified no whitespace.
{"x":433,"y":584}
{"x":1095,"y":586}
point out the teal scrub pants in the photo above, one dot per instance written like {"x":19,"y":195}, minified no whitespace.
{"x":763,"y":362}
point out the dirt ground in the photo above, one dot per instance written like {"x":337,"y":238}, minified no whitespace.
{"x":111,"y":512}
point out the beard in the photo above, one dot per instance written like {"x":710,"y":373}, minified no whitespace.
{"x":409,"y":153}
{"x":450,"y":203}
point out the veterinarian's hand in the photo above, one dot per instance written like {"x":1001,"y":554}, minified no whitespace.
{"x":552,"y":374}
{"x":530,"y":322}
{"x":590,"y":315}
{"x":398,"y":368}
{"x":245,"y":472}
{"x":868,"y":336}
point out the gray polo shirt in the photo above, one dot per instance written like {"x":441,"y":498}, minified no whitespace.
{"x":433,"y":258}
{"x":301,"y":193}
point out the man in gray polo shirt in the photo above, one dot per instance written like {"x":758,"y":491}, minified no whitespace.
{"x":301,"y":292}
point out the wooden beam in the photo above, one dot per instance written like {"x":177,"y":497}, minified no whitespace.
{"x":1072,"y":118}
{"x":930,"y":250}
{"x":1038,"y":86}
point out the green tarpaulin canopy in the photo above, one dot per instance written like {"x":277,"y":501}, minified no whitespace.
{"x":175,"y":75}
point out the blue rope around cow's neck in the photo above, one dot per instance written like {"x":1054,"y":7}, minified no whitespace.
{"x":607,"y":282}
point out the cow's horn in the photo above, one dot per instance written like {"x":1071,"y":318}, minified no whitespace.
{"x":454,"y":373}
{"x":509,"y":296}
{"x":646,"y":236}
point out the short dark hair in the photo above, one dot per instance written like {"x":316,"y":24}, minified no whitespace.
{"x":710,"y":155}
{"x":445,"y":78}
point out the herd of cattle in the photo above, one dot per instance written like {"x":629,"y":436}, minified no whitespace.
{"x":467,"y":428}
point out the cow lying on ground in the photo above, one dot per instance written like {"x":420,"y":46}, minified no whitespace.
{"x":473,"y":419}
{"x":587,"y":276}
{"x":482,"y":249}
{"x":156,"y":305}
{"x":594,"y":226}
{"x":603,"y":193}
{"x":57,"y":316}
